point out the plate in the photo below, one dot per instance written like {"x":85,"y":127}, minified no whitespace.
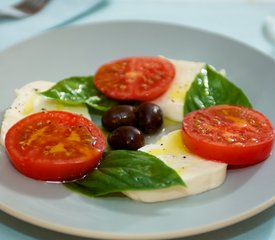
{"x":79,"y":51}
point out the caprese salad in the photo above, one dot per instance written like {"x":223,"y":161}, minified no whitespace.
{"x":151,"y":128}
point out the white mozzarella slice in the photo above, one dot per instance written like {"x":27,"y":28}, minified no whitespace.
{"x":172,"y":101}
{"x":199,"y":174}
{"x":28,"y":101}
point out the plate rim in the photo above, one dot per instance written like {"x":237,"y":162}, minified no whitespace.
{"x":103,"y":235}
{"x":150,"y":236}
{"x":58,"y":29}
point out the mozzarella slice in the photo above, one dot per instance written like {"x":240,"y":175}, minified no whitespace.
{"x":28,"y":101}
{"x":199,"y":174}
{"x":172,"y":101}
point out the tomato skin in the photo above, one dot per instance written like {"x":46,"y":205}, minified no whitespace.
{"x":55,"y":146}
{"x":135,"y":78}
{"x":210,"y":133}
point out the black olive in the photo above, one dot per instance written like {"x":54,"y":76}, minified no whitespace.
{"x":149,"y":117}
{"x":121,"y":115}
{"x":126,"y":137}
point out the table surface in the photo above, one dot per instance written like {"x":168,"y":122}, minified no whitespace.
{"x":238,"y":19}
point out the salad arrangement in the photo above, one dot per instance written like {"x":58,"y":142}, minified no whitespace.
{"x":106,"y":155}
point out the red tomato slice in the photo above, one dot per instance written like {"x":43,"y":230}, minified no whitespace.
{"x":232,"y":134}
{"x":135,"y":78}
{"x":55,"y":146}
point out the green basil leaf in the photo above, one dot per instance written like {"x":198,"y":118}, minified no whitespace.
{"x":79,"y":90}
{"x":123,"y":170}
{"x":212,"y":88}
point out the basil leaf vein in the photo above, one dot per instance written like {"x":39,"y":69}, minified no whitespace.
{"x":79,"y":90}
{"x":124,"y":170}
{"x":211,"y":88}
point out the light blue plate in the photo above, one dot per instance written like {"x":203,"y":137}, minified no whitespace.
{"x":79,"y":51}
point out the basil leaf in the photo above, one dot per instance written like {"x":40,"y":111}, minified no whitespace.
{"x":212,"y":88}
{"x":123,"y":170}
{"x":79,"y":90}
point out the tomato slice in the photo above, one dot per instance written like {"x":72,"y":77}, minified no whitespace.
{"x":55,"y":146}
{"x":135,"y":78}
{"x":235,"y":135}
